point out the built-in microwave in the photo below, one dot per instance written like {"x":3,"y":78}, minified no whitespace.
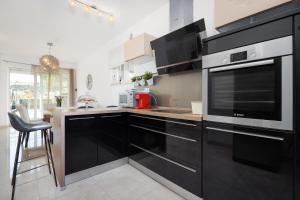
{"x":251,"y":85}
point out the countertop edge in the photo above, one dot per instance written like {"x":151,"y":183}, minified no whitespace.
{"x":187,"y":116}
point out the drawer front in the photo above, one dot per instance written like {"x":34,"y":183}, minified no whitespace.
{"x":182,"y":150}
{"x":241,"y":163}
{"x":80,"y":123}
{"x":182,"y":128}
{"x":184,"y":177}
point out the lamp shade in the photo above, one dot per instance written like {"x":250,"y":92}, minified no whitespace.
{"x":49,"y":63}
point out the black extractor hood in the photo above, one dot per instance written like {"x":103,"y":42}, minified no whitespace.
{"x":180,"y":50}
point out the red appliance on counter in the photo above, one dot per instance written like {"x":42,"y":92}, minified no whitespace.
{"x":142,"y":100}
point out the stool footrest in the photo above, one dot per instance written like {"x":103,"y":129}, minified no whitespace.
{"x":27,"y":170}
{"x":31,"y":158}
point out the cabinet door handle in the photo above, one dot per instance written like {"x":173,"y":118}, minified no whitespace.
{"x":166,"y":159}
{"x":81,"y":118}
{"x":164,"y":120}
{"x":110,"y":116}
{"x":246,"y":133}
{"x":171,"y":135}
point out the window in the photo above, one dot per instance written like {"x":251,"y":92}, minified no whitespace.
{"x":29,"y":87}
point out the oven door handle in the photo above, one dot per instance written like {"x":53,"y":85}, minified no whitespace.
{"x":245,"y":133}
{"x":245,"y":65}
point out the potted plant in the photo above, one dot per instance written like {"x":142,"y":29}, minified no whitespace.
{"x":148,"y":77}
{"x":140,"y":80}
{"x":59,"y":100}
{"x":134,"y":80}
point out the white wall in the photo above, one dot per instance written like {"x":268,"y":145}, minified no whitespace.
{"x":4,"y":94}
{"x":205,"y":9}
{"x":98,"y":63}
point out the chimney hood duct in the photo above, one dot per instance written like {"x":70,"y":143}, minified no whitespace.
{"x":181,"y":13}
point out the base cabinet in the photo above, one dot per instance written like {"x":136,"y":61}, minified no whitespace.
{"x":170,"y":148}
{"x":80,"y":143}
{"x":249,"y":164}
{"x":223,"y":161}
{"x":92,"y":140}
{"x":112,"y":138}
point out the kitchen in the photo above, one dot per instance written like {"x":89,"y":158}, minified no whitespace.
{"x":218,"y":121}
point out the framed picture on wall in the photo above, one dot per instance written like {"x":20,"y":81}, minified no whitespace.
{"x":115,"y":75}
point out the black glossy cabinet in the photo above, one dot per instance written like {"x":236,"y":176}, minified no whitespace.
{"x":297,"y":103}
{"x":245,"y":163}
{"x":112,"y":138}
{"x":93,"y":140}
{"x":171,"y":148}
{"x":183,"y":150}
{"x":80,"y":143}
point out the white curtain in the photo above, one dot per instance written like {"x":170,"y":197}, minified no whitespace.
{"x":59,"y":83}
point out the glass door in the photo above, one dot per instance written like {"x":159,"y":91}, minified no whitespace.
{"x":22,"y":91}
{"x":31,"y":89}
{"x":253,"y":91}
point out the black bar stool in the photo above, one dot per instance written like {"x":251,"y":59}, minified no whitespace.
{"x":24,"y":129}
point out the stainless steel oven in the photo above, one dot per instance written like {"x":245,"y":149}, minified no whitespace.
{"x":250,"y":85}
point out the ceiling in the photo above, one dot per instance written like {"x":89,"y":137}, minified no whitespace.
{"x":27,"y":25}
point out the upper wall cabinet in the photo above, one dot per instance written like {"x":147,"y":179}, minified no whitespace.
{"x":227,"y":11}
{"x":138,"y":49}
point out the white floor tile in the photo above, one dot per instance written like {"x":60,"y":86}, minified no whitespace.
{"x":161,"y":194}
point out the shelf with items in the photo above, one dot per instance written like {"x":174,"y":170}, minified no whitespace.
{"x":122,"y":74}
{"x":144,"y":80}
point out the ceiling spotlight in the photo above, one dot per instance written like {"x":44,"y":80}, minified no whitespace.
{"x":87,"y":8}
{"x":111,"y":18}
{"x":72,"y":3}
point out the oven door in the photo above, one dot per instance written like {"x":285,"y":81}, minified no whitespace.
{"x":257,"y":93}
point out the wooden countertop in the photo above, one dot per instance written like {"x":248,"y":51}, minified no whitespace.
{"x":184,"y":116}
